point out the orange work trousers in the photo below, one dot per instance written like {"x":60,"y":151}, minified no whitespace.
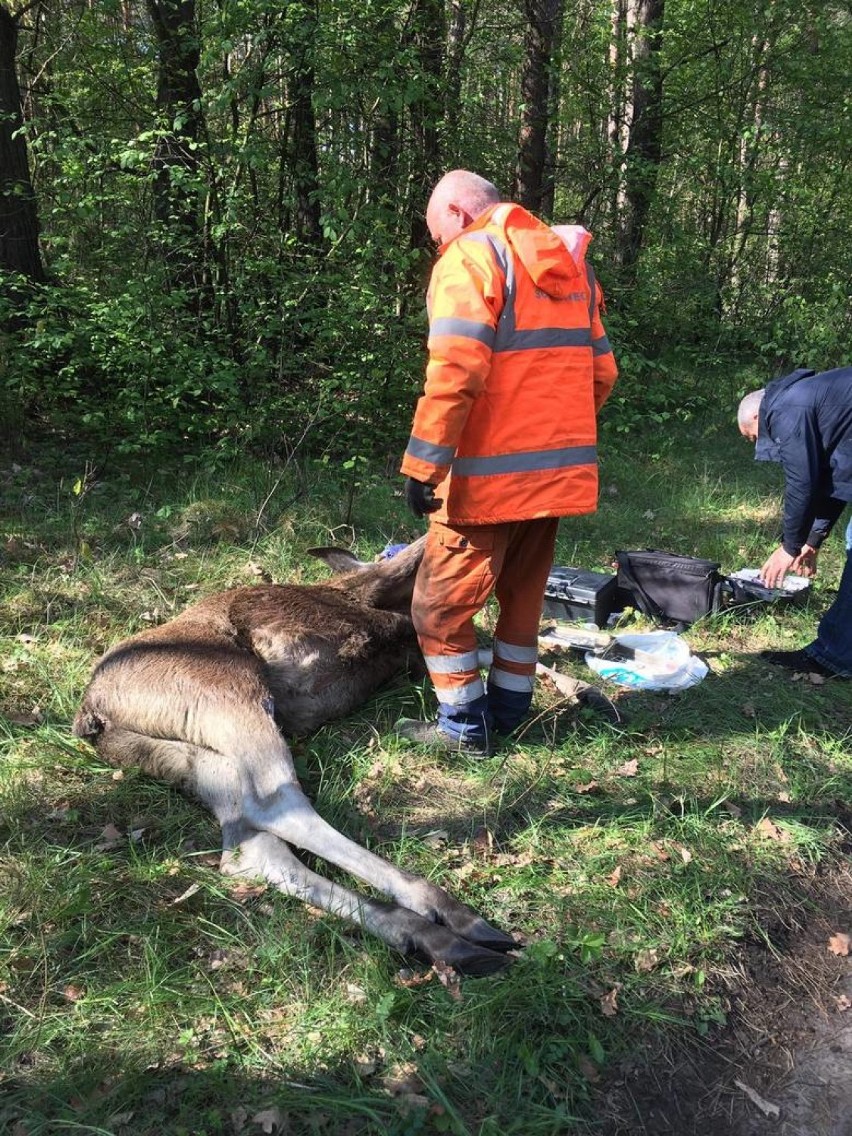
{"x":462,"y":566}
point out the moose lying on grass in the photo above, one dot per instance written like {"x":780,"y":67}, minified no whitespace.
{"x":196,"y":700}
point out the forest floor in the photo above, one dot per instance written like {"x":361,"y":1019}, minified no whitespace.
{"x":782,"y":1065}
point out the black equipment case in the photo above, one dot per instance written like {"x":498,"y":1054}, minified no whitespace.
{"x":575,"y":594}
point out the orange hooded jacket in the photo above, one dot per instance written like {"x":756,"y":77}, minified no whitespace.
{"x":519,"y":363}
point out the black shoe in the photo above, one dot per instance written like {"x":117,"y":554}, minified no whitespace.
{"x":799,"y":661}
{"x":430,"y":734}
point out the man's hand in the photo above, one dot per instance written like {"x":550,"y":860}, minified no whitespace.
{"x":805,"y":563}
{"x":421,"y":497}
{"x":776,"y":568}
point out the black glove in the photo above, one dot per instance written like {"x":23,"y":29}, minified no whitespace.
{"x":421,"y":497}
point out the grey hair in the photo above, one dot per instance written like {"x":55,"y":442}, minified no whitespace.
{"x":472,"y":192}
{"x":750,"y":407}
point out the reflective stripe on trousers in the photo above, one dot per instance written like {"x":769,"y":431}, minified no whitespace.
{"x":462,"y":566}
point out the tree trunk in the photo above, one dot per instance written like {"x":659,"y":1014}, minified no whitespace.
{"x":19,"y":251}
{"x":175,"y":158}
{"x":462,"y":20}
{"x":618,"y":132}
{"x":646,"y":129}
{"x":304,"y":162}
{"x":429,"y":38}
{"x":543,"y":21}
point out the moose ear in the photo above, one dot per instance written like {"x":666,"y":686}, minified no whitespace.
{"x":338,"y":559}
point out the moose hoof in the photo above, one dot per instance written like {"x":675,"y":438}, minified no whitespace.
{"x":484,"y":935}
{"x":479,"y":962}
{"x":433,"y":943}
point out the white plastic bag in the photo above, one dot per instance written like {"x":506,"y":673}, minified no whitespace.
{"x":662,"y":661}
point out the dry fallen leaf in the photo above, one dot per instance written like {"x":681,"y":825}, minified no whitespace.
{"x":629,"y":769}
{"x":609,"y":1003}
{"x":355,"y":994}
{"x":843,"y":1003}
{"x":119,"y":1118}
{"x":448,"y":978}
{"x":768,"y":828}
{"x":614,"y":877}
{"x":365,"y":1066}
{"x":436,"y":839}
{"x":242,"y":891}
{"x":110,"y":838}
{"x":588,"y":1068}
{"x":408,"y":978}
{"x":483,"y":841}
{"x":73,"y":993}
{"x":646,"y":960}
{"x":839,"y":944}
{"x":402,"y":1080}
{"x":269,"y":1119}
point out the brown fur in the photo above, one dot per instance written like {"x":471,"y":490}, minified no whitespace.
{"x":198,"y":702}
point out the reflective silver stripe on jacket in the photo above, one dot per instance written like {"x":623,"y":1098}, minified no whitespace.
{"x":428,"y":452}
{"x":512,"y":653}
{"x":459,"y":695}
{"x":452,"y":664}
{"x":464,"y":328}
{"x":600,"y":346}
{"x":508,"y":681}
{"x":539,"y":338}
{"x":526,"y":462}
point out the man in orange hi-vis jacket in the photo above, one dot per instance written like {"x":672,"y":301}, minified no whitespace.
{"x":502,"y":445}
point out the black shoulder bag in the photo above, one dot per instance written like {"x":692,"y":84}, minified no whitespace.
{"x":668,"y":587}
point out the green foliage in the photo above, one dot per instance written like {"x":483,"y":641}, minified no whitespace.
{"x":228,"y":326}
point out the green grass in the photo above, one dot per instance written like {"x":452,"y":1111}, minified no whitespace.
{"x":141,"y":992}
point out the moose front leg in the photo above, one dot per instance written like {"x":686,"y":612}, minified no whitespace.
{"x":291,"y":817}
{"x":260,"y":854}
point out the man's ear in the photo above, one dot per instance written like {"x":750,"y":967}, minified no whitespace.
{"x":462,"y":214}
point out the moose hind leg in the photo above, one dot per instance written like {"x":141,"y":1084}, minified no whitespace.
{"x":260,"y":854}
{"x":291,"y":817}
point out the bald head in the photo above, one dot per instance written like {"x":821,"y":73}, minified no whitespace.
{"x":457,"y":200}
{"x":747,"y":415}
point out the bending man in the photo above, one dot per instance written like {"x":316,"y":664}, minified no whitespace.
{"x":502,"y":444}
{"x":804,"y":421}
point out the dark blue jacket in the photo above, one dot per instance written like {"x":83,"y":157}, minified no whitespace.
{"x":805,"y":423}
